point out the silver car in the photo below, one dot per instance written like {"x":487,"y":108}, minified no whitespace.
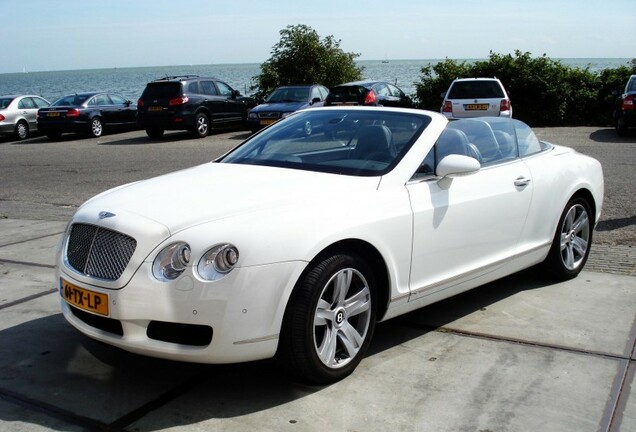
{"x":18,"y":114}
{"x":476,"y":97}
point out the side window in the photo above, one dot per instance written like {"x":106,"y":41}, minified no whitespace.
{"x":117,"y":100}
{"x":506,"y":138}
{"x":41,"y":103}
{"x":481,"y":138}
{"x":427,"y":167}
{"x":193,"y":87}
{"x":324,"y":92}
{"x":382,"y":90}
{"x":451,"y":141}
{"x":91,"y":102}
{"x":224,"y":89}
{"x":207,"y":87}
{"x":396,"y":91}
{"x":26,"y":103}
{"x":526,"y":139}
{"x":315,"y":93}
{"x":102,"y":100}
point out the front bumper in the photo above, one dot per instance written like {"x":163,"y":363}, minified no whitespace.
{"x":244,"y":311}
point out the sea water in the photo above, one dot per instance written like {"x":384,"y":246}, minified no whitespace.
{"x":130,"y":82}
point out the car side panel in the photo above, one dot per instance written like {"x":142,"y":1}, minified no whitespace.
{"x":466,"y":226}
{"x":557,"y":175}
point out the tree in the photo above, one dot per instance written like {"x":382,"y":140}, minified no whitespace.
{"x":301,"y":57}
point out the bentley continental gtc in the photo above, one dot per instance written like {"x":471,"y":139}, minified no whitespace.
{"x":293,"y":245}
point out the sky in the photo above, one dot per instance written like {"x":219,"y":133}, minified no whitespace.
{"x":45,"y":35}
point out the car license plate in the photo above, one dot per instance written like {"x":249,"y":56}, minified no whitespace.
{"x":476,"y":107}
{"x":154,"y":108}
{"x":53,"y":114}
{"x":266,"y":122}
{"x":84,"y":299}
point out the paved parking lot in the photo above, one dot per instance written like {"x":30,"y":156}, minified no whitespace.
{"x":520,"y":354}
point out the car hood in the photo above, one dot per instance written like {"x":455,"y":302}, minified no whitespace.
{"x":215,"y":191}
{"x":281,"y":106}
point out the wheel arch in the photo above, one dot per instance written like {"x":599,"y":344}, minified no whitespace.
{"x":589,"y":197}
{"x":372,"y":256}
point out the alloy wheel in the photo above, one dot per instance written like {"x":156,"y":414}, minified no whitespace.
{"x":341,"y":318}
{"x":575,"y":236}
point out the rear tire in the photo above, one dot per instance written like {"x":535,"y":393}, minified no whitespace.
{"x":96,"y":128}
{"x":21,"y":130}
{"x":201,"y":126}
{"x":154,"y":133}
{"x":572,"y":241}
{"x":329,"y":321}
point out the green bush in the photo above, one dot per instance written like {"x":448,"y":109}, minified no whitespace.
{"x":543,"y":91}
{"x":301,"y":57}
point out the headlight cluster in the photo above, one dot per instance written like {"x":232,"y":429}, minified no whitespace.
{"x":252,"y":115}
{"x":218,"y":261}
{"x":171,"y":261}
{"x":213,"y":265}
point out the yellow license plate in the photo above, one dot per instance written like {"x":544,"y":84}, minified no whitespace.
{"x":155,"y":108}
{"x":84,"y":299}
{"x":53,"y":114}
{"x":266,"y":122}
{"x":477,"y":107}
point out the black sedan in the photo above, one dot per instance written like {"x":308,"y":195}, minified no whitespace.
{"x":374,"y":93}
{"x":87,"y":113}
{"x":284,"y":101}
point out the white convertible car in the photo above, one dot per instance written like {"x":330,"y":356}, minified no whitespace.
{"x":298,"y":241}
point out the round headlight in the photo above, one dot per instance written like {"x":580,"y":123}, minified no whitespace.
{"x":171,"y":261}
{"x":252,"y":115}
{"x":218,"y":261}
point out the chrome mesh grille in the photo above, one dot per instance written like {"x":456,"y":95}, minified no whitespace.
{"x":99,"y":252}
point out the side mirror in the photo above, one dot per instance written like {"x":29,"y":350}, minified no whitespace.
{"x":455,"y":165}
{"x":235,"y":94}
{"x":314,"y":100}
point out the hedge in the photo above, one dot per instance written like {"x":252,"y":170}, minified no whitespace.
{"x":544,"y":92}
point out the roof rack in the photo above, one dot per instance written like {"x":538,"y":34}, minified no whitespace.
{"x":167,"y":77}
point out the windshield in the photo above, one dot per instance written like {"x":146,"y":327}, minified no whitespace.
{"x":289,"y":94}
{"x":361,"y":142}
{"x":71,"y":100}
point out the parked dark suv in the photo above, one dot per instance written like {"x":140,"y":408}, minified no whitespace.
{"x":190,"y":102}
{"x":625,"y":112}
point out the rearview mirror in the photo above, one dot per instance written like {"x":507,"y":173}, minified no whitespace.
{"x":455,"y":165}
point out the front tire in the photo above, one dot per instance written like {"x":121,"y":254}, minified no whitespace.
{"x":21,"y":130}
{"x":329,"y":320}
{"x":572,"y":241}
{"x":96,"y":128}
{"x":201,"y":126}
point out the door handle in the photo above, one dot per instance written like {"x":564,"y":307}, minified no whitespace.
{"x":522,"y":181}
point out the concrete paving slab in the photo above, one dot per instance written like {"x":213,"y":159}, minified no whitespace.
{"x":593,"y":312}
{"x":45,"y":360}
{"x":626,"y":416}
{"x":429,"y":382}
{"x":18,"y":230}
{"x":19,"y":281}
{"x":16,"y":418}
{"x":38,"y":251}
